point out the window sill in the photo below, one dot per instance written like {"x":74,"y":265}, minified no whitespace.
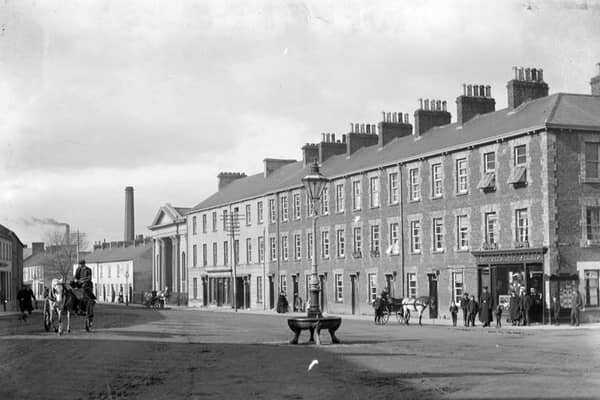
{"x":438,"y":251}
{"x":462,"y":193}
{"x":342,"y":257}
{"x":414,"y":200}
{"x":590,"y":180}
{"x":466,"y":250}
{"x":416,"y":253}
{"x":396,"y":203}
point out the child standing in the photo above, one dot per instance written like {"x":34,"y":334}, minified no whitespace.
{"x":453,"y":312}
{"x":498,"y":316}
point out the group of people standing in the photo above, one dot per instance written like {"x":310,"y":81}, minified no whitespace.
{"x":471,"y":308}
{"x":519,"y":307}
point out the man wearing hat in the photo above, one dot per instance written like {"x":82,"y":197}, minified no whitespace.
{"x":83,"y":279}
{"x":464,"y":304}
{"x":485,"y":313}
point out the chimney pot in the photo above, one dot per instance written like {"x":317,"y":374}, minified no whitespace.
{"x":464,"y":89}
{"x":438,"y":105}
{"x":475,"y":90}
{"x":541,"y":75}
{"x":469,"y":90}
{"x":351,"y":127}
{"x":420,"y":104}
{"x":406,"y":118}
{"x":444,"y":104}
{"x":427,"y":104}
{"x":516,"y":71}
{"x":488,"y":91}
{"x":343,"y":138}
{"x":374,"y":129}
{"x":534,"y":74}
{"x":528,"y":74}
{"x":521,"y":74}
{"x":368,"y":128}
{"x":395,"y":118}
{"x":333,"y":137}
{"x":389,"y":117}
{"x":324,"y":137}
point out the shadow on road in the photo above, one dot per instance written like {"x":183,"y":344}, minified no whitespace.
{"x":160,"y":370}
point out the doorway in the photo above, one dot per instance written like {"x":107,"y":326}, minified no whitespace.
{"x":295,"y":291}
{"x":353,"y":294}
{"x":271,"y":292}
{"x":433,"y":294}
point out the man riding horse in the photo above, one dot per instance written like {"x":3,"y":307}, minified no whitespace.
{"x":83,"y":279}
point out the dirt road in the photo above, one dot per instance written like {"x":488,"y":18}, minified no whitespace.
{"x":181,"y":354}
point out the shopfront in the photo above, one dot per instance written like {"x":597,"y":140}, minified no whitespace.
{"x":518,"y":270}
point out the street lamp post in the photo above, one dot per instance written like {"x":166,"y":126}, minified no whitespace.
{"x":314,"y":184}
{"x":314,"y":320}
{"x":127,"y":287}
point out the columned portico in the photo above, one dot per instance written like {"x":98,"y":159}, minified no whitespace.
{"x":169,"y":230}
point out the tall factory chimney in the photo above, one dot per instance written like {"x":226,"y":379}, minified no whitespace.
{"x":129,"y":219}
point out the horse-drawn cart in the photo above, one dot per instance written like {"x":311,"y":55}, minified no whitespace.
{"x":387,"y":307}
{"x":64,"y":300}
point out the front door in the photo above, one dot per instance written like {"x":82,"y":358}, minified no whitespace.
{"x":271,"y":293}
{"x":295,"y":291}
{"x":433,"y":294}
{"x":353,"y":299}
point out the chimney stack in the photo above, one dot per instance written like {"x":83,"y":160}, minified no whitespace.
{"x":225,"y":178}
{"x":360,"y":135}
{"x":468,"y":106}
{"x":391,"y":129}
{"x":328,"y":147}
{"x":37,"y":247}
{"x":310,"y":153}
{"x":129,"y":215}
{"x":273,"y":164}
{"x":528,"y":84}
{"x":67,"y":234}
{"x":426,"y":118}
{"x":595,"y":83}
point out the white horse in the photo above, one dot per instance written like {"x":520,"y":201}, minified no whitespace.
{"x":418,"y":305}
{"x":62,"y":303}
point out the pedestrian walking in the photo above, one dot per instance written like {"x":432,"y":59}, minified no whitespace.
{"x":453,"y":312}
{"x":464,"y":304}
{"x":282,"y":303}
{"x":24,"y":298}
{"x":556,"y":309}
{"x":576,"y":305}
{"x":485,"y":310}
{"x":498,"y":316}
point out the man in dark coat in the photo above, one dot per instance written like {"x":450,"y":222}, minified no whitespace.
{"x":24,"y":298}
{"x":485,"y":310}
{"x":556,"y":309}
{"x":472,"y":309}
{"x":282,"y":303}
{"x":514,"y":308}
{"x":526,"y":303}
{"x":464,"y":304}
{"x":576,"y":305}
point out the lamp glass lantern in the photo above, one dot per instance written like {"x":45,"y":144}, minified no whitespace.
{"x":314,"y":184}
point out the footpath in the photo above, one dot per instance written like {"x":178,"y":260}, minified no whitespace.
{"x":413,"y":321}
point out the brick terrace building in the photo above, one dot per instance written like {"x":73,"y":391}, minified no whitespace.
{"x":501,"y":199}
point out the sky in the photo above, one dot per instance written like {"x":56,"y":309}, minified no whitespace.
{"x":162,"y":95}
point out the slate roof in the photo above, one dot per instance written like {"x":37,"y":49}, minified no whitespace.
{"x":118,"y":253}
{"x":557,"y":110}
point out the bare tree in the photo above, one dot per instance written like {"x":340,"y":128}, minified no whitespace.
{"x":62,"y":252}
